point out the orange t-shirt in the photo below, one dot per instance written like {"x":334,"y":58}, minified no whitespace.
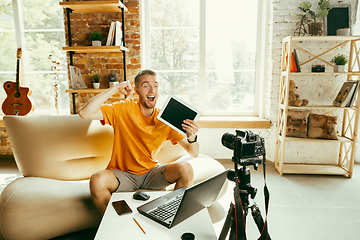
{"x":137,"y":138}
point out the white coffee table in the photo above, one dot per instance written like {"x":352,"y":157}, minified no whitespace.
{"x":113,"y":226}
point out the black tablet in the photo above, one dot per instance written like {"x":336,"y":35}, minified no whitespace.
{"x":175,"y":111}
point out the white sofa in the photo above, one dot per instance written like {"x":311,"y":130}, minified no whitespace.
{"x":56,"y":156}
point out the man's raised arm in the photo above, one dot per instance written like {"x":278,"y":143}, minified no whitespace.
{"x":92,"y":109}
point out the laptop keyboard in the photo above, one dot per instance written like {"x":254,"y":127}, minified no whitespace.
{"x":166,"y":210}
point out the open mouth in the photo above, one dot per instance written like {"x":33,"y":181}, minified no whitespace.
{"x":151,"y":98}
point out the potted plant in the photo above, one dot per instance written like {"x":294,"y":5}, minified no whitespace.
{"x":340,"y":60}
{"x":309,"y":16}
{"x":96,"y":78}
{"x":113,"y":78}
{"x":96,"y":38}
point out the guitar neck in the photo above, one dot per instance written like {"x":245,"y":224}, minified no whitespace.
{"x":18,"y":57}
{"x":17,"y":76}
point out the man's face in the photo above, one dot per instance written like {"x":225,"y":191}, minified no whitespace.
{"x":147,"y":90}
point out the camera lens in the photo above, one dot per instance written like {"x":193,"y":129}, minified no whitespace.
{"x":228,"y":140}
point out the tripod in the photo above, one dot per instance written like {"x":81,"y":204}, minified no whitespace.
{"x":236,"y":217}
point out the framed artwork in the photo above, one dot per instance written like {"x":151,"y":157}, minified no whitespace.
{"x":339,"y":17}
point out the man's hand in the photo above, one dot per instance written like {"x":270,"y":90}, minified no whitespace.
{"x":190,"y":144}
{"x":124,"y":87}
{"x":191,"y":127}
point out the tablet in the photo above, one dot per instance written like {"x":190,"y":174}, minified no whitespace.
{"x":175,"y":111}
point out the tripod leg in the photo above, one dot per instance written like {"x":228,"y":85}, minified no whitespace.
{"x":229,"y":222}
{"x":233,"y":231}
{"x":255,"y":212}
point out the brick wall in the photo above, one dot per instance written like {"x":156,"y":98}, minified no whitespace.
{"x":82,"y":24}
{"x":282,"y":22}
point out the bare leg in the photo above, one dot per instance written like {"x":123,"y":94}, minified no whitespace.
{"x":102,"y":184}
{"x":182,"y":173}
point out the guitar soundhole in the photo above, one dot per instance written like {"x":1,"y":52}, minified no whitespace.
{"x":17,"y":95}
{"x":8,"y":85}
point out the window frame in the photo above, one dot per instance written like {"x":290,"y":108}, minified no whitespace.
{"x":261,"y":55}
{"x":20,"y":43}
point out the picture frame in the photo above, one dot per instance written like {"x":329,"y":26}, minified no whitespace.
{"x":76,"y":78}
{"x":339,"y":17}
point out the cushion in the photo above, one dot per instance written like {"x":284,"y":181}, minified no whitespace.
{"x":40,"y":208}
{"x":322,"y":126}
{"x":64,"y":147}
{"x":297,"y":122}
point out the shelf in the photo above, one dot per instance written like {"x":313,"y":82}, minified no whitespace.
{"x":320,"y":73}
{"x":322,"y":38}
{"x":92,"y":49}
{"x":94,"y":6}
{"x":115,"y":6}
{"x":282,"y":106}
{"x":86,"y":90}
{"x":312,"y":169}
{"x":296,"y":139}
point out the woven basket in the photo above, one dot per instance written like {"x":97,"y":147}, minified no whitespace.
{"x":315,"y":28}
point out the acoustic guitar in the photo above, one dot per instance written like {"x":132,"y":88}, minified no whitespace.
{"x":17,"y":101}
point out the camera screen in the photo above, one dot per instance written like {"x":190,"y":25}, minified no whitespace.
{"x":248,"y":150}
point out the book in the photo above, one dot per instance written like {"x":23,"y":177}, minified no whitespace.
{"x":297,"y":61}
{"x":76,"y":78}
{"x":293,"y":67}
{"x":110,"y":38}
{"x":344,"y":95}
{"x":352,"y":99}
{"x":118,"y":33}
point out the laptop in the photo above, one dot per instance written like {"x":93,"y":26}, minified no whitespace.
{"x":178,"y":205}
{"x":175,"y":111}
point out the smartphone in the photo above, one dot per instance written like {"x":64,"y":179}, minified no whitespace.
{"x":121,"y":207}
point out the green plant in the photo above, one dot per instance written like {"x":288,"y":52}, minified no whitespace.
{"x":96,"y":36}
{"x":113,"y":77}
{"x":340,"y":59}
{"x":95,"y":76}
{"x":308,"y":13}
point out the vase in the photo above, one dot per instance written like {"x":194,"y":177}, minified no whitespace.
{"x":315,"y":28}
{"x":96,"y":43}
{"x":343,"y":32}
{"x":339,"y":68}
{"x":96,"y":85}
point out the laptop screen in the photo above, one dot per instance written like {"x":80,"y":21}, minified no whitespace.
{"x":200,"y":196}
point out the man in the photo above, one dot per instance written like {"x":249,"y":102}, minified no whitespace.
{"x":138,"y":137}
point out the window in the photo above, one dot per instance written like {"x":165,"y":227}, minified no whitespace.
{"x":206,"y":52}
{"x":37,"y":27}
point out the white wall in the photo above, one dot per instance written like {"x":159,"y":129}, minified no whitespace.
{"x":282,"y":22}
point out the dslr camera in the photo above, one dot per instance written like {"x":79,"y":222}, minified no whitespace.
{"x":247,"y":146}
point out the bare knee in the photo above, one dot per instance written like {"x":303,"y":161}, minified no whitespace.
{"x":103,"y":181}
{"x":186,"y":171}
{"x":182,"y":173}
